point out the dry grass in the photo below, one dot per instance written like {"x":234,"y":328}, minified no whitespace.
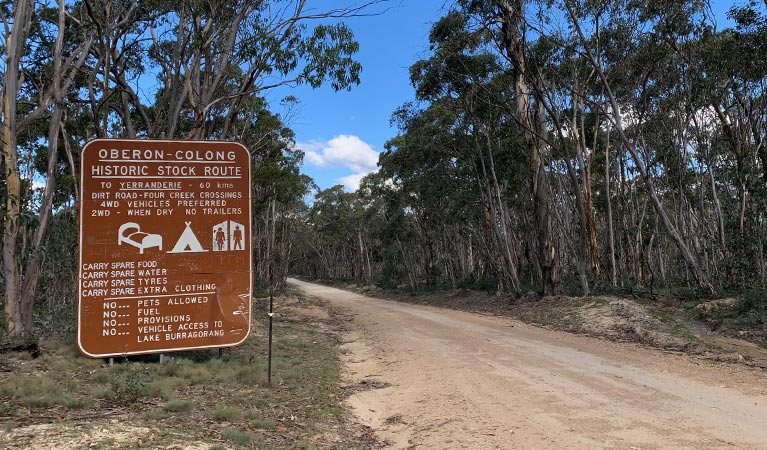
{"x":193,"y":399}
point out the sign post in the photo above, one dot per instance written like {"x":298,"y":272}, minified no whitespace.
{"x":165,"y":246}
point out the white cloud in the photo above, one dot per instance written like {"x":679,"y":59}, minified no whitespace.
{"x":312,"y":152}
{"x":352,"y":182}
{"x":345,"y":151}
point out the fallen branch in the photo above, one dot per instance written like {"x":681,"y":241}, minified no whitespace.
{"x":24,"y":345}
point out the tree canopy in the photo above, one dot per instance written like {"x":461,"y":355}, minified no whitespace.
{"x":75,"y":71}
{"x":570,"y":146}
{"x":553,"y":146}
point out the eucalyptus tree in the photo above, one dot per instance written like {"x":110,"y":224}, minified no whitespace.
{"x":734,"y":62}
{"x":664,"y":107}
{"x":434,"y":190}
{"x":396,"y":229}
{"x":659,"y":28}
{"x":16,"y":29}
{"x":464,"y":84}
{"x":528,"y":84}
{"x":186,"y":69}
{"x":212,"y":56}
{"x":40,"y":72}
{"x":153,"y":69}
{"x":333,"y":219}
{"x":277,"y":193}
{"x":501,"y":28}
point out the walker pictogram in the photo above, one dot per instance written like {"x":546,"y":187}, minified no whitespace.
{"x":228,"y":236}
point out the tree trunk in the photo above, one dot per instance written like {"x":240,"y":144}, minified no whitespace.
{"x":35,"y":262}
{"x":609,"y":200}
{"x":18,"y":324}
{"x":588,"y":198}
{"x":533,"y":128}
{"x":59,"y":85}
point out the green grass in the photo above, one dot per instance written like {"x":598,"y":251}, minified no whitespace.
{"x":193,"y":387}
{"x":226,"y":414}
{"x":163,"y":387}
{"x":234,"y":435}
{"x":42,"y":391}
{"x":177,"y":406}
{"x":263,"y":423}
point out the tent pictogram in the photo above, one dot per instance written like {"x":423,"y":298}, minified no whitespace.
{"x":187,"y":242}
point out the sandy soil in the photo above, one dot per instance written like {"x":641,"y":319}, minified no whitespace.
{"x":93,"y":434}
{"x":442,"y":379}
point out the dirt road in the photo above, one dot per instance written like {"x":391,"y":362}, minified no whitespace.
{"x":447,"y":379}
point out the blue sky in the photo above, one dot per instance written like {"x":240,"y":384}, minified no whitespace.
{"x":343,"y":132}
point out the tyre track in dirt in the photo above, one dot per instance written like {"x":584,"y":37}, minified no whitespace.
{"x":457,"y":380}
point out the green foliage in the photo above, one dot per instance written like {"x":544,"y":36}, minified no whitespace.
{"x":451,"y":204}
{"x":128,"y":383}
{"x":752,"y":309}
{"x":435,"y":180}
{"x":482,"y":283}
{"x":56,"y":311}
{"x":232,"y":434}
{"x":329,"y":50}
{"x":202,"y":74}
{"x":178,"y":406}
{"x":226,"y":414}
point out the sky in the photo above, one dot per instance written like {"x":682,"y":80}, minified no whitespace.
{"x":342,"y":132}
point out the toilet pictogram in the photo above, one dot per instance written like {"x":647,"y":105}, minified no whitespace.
{"x":228,"y":236}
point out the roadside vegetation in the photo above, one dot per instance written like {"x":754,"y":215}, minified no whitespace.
{"x":193,"y":400}
{"x":74,"y":71}
{"x":718,"y":330}
{"x":568,"y":149}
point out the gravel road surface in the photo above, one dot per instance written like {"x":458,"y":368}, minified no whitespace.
{"x":428,"y":378}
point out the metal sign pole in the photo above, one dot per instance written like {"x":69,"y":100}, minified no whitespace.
{"x":271,"y":288}
{"x":271,"y":321}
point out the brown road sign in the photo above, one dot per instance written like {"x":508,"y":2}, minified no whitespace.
{"x":165,"y":246}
